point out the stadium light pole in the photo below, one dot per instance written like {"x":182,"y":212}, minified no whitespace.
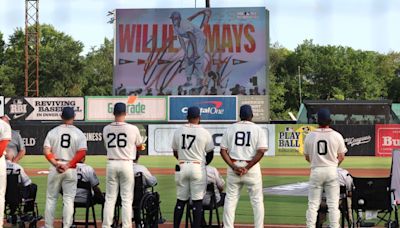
{"x":300,"y":98}
{"x":207,"y":3}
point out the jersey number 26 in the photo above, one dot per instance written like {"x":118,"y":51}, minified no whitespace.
{"x":119,"y":138}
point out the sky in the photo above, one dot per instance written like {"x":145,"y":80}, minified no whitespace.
{"x":360,"y":24}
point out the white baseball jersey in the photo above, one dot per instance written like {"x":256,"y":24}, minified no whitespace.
{"x":64,"y":141}
{"x":215,"y":178}
{"x":192,"y":143}
{"x":14,"y":168}
{"x":87,"y":174}
{"x":345,"y":179}
{"x":5,"y":132}
{"x":243,"y":139}
{"x":323,"y":146}
{"x":121,"y":139}
{"x":149,"y":180}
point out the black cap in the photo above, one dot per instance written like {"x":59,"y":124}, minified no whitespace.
{"x":175,"y":14}
{"x":323,"y":115}
{"x":68,"y":113}
{"x":246,"y":112}
{"x":119,"y":108}
{"x":193,"y":112}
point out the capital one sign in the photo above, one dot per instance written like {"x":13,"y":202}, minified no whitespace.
{"x":387,"y":139}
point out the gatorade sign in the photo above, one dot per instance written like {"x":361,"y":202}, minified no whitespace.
{"x":139,"y":109}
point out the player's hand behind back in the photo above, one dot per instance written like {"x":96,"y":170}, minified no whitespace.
{"x":61,"y":168}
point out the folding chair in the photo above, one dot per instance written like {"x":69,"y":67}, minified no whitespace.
{"x":212,"y":206}
{"x":13,"y":197}
{"x":89,"y":204}
{"x":374,"y":194}
{"x":344,"y":208}
{"x":19,"y":209}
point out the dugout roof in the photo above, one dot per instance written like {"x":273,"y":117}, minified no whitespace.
{"x":349,"y":111}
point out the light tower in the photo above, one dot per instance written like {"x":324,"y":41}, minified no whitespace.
{"x":31,"y":48}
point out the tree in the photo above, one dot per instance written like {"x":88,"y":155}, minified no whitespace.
{"x":277,"y":90}
{"x":2,"y":48}
{"x":60,"y":67}
{"x":98,"y":70}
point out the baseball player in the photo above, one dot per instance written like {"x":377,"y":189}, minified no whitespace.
{"x":192,"y":146}
{"x":214,"y":177}
{"x":64,"y":146}
{"x":242,"y":147}
{"x":324,"y":148}
{"x":194,"y":49}
{"x":149,"y":180}
{"x":121,"y":141}
{"x":29,"y":189}
{"x":5,"y":137}
{"x":86,"y":173}
{"x":16,"y":144}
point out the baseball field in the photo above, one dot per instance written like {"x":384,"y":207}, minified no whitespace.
{"x":278,"y":170}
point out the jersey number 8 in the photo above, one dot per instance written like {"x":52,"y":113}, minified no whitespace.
{"x":65,"y":140}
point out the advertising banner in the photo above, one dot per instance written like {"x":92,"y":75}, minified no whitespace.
{"x":218,"y":51}
{"x":212,"y":108}
{"x":1,"y":105}
{"x":259,"y":104}
{"x":290,"y":138}
{"x":34,"y":134}
{"x":359,"y":139}
{"x":387,"y":139}
{"x":42,"y":108}
{"x":139,"y":109}
{"x":160,"y":137}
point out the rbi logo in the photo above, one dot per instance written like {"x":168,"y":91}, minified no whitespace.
{"x":18,"y":108}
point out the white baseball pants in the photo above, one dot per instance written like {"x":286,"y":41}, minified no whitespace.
{"x":191,"y":181}
{"x":55,"y":181}
{"x":323,"y":178}
{"x":119,"y":177}
{"x":253,"y":181}
{"x":3,"y":186}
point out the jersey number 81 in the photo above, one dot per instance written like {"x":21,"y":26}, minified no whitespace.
{"x":242,"y":138}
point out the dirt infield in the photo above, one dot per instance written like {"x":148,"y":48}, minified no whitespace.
{"x":265,"y":171}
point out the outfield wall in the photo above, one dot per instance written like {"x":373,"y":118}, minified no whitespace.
{"x":284,"y":139}
{"x":159,"y":116}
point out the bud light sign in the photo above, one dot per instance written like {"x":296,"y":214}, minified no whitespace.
{"x":387,"y":139}
{"x":212,"y":108}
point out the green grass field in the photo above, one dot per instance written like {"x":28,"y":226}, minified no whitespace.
{"x":278,"y":209}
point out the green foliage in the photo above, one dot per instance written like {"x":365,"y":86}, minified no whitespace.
{"x":98,"y":70}
{"x":334,"y":72}
{"x":324,"y":72}
{"x":60,"y":67}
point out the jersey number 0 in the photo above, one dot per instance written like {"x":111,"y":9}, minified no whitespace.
{"x":322,"y":146}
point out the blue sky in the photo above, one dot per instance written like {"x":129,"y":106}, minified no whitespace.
{"x":361,"y":24}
